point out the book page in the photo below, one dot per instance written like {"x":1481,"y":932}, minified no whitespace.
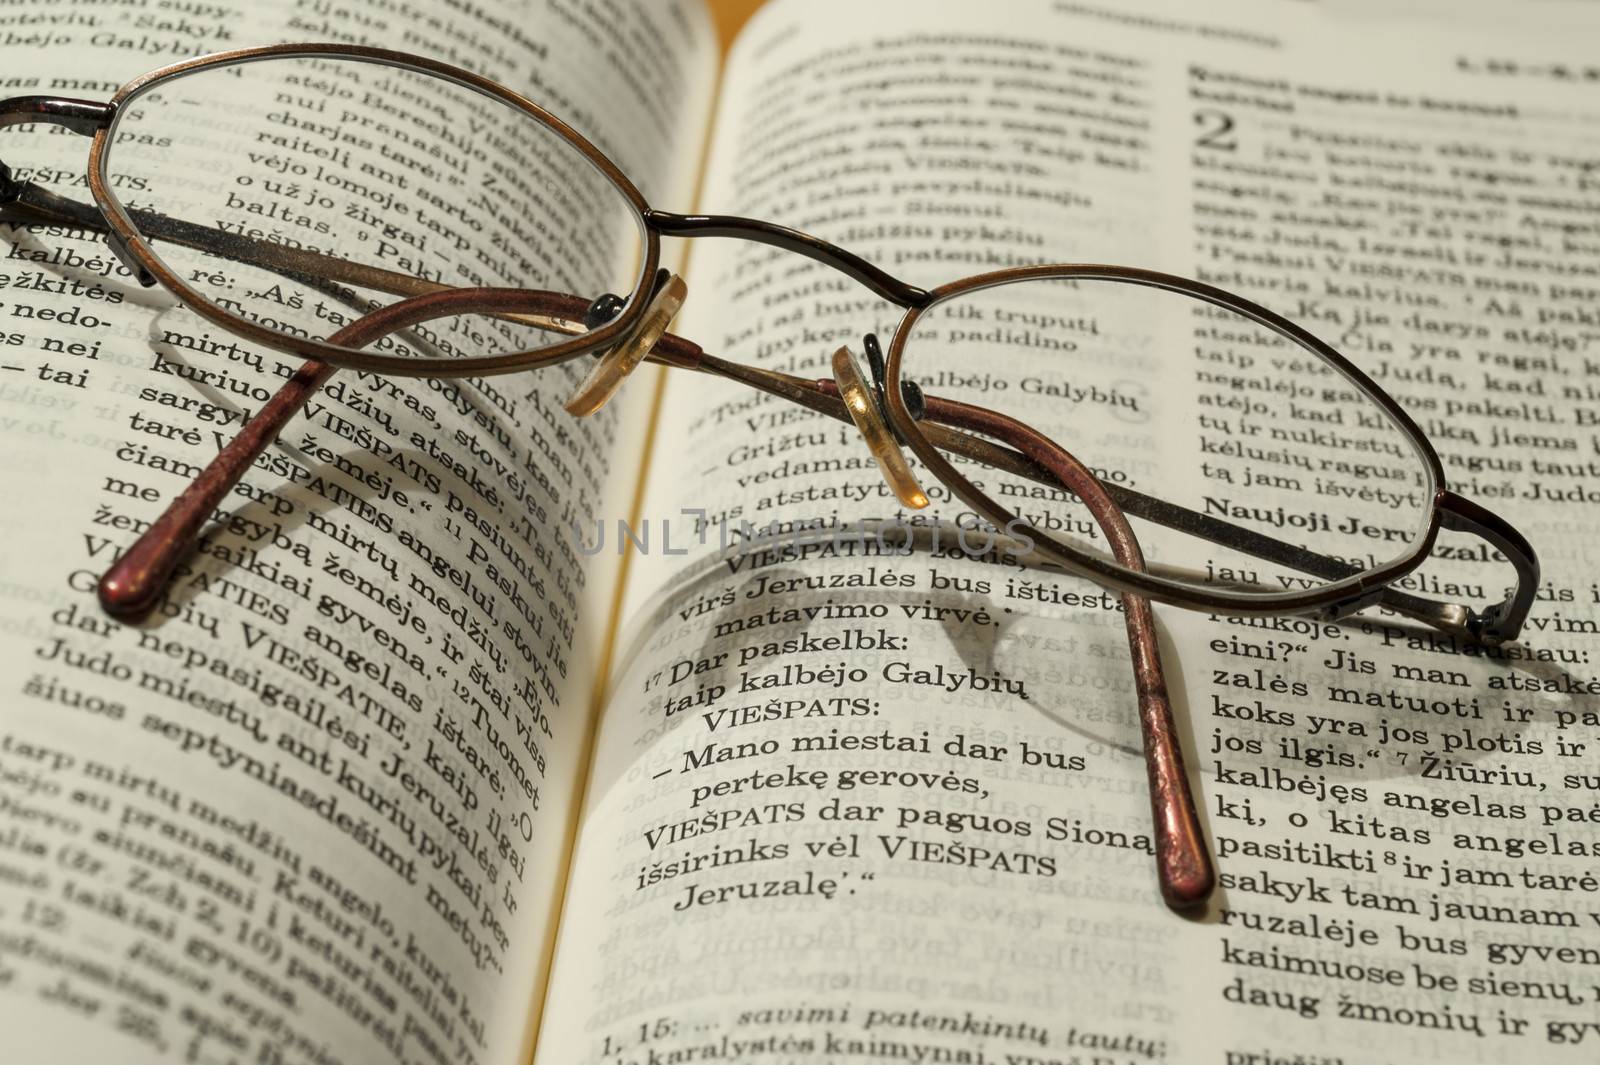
{"x":867,"y":805}
{"x":317,"y":808}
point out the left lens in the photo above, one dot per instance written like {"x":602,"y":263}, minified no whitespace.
{"x":299,"y":192}
{"x":1220,"y":435}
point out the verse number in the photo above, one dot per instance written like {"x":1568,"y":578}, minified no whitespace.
{"x":1216,"y":130}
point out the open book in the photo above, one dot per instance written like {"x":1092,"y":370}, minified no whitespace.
{"x":388,"y":783}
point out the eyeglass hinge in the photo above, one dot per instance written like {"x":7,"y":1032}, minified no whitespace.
{"x":122,"y":252}
{"x":83,"y":117}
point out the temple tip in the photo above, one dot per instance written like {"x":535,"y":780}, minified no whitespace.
{"x":1190,"y":888}
{"x":126,"y":596}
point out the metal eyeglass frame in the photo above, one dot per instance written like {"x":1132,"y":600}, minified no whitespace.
{"x":930,"y":427}
{"x":1348,"y":590}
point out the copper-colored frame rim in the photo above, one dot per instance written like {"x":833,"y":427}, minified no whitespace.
{"x":1337,"y":597}
{"x":117,"y":217}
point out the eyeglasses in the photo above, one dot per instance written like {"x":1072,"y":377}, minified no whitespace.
{"x":389,"y":202}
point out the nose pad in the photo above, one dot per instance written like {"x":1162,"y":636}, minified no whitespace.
{"x":614,"y":366}
{"x":120,"y":248}
{"x":863,"y":407}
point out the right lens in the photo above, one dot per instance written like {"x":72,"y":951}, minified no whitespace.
{"x":1220,"y":434}
{"x":395,"y":180}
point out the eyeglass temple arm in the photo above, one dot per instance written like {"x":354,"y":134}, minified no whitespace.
{"x":30,"y":204}
{"x":1496,"y":624}
{"x":134,"y":584}
{"x":1183,"y":861}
